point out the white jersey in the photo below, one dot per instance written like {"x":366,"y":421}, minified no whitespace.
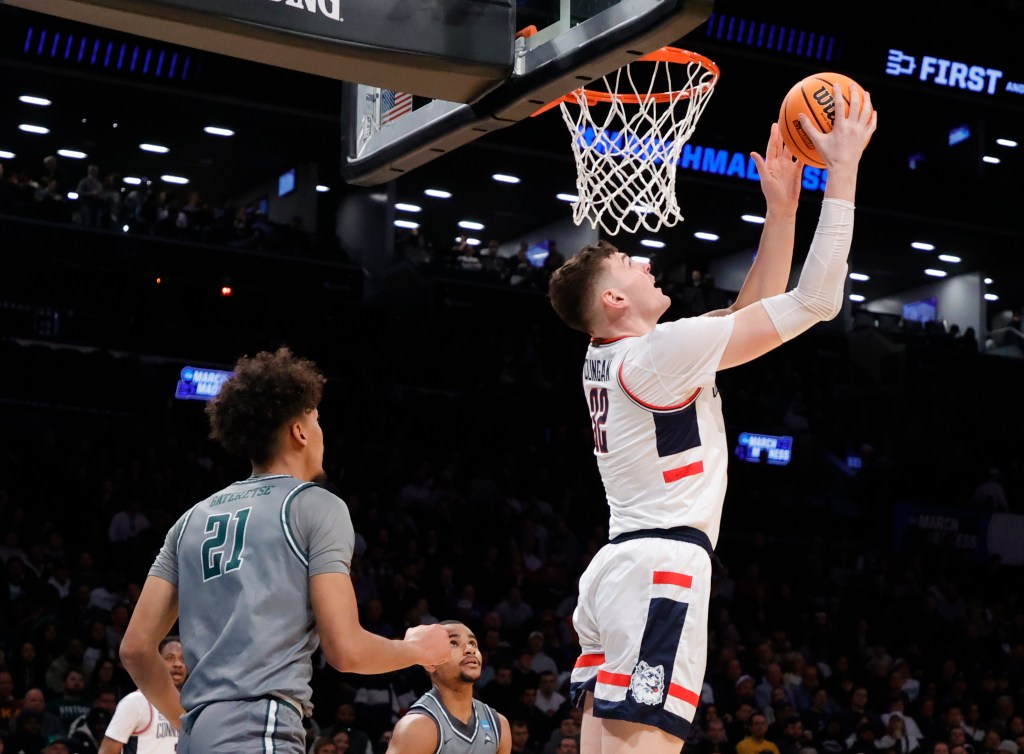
{"x":135,"y":716}
{"x":659,"y":435}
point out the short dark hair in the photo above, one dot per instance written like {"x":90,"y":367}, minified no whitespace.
{"x":265,"y":391}
{"x":167,"y":640}
{"x":572,"y":285}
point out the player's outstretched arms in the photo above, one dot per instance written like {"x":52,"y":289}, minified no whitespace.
{"x":414,"y":734}
{"x":349,"y":648}
{"x":818,"y":295}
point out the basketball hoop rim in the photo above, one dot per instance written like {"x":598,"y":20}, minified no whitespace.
{"x":675,"y":55}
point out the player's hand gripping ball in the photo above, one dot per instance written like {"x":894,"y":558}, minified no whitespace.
{"x":814,"y":97}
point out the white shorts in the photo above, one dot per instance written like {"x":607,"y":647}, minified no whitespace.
{"x":642,"y":621}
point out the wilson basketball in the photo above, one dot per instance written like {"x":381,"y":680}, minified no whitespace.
{"x":814,"y":97}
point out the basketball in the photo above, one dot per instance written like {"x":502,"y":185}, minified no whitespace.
{"x":814,"y":97}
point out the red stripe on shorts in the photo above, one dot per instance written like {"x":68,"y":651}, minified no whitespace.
{"x":612,"y":679}
{"x":669,"y":577}
{"x":674,"y":689}
{"x":674,"y":475}
{"x":589,"y":661}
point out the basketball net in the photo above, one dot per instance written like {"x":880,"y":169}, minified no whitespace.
{"x":627,"y":139}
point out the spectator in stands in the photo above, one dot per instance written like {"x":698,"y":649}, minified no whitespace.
{"x":92,"y":209}
{"x":756,"y":741}
{"x":72,"y":703}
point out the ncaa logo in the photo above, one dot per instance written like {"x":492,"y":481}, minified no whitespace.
{"x":647,"y":684}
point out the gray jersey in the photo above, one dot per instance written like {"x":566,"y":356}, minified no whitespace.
{"x":480,"y":736}
{"x":242,"y":560}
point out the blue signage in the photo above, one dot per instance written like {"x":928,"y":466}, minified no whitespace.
{"x":200,"y":384}
{"x":755,"y":448}
{"x":692,"y":157}
{"x":950,"y":73}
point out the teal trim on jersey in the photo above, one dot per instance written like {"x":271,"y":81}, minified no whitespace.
{"x":286,"y":527}
{"x":260,"y":479}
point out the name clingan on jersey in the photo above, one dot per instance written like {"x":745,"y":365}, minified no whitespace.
{"x":597,"y":370}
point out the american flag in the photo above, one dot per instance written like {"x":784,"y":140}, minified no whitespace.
{"x":394,"y":105}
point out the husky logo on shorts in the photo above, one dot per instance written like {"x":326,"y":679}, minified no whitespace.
{"x":647,"y":683}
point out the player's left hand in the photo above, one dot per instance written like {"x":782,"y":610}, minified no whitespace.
{"x":779,"y":173}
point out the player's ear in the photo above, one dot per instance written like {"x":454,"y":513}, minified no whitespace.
{"x":613,"y":298}
{"x":298,"y":433}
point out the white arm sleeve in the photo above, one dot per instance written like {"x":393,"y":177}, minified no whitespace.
{"x":818,"y":295}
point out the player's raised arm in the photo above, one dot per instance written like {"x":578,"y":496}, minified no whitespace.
{"x":819,"y":292}
{"x":769,"y":273}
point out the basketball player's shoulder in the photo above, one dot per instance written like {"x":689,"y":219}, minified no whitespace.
{"x":417,"y":732}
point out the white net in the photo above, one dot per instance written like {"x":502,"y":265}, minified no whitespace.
{"x":627,"y":139}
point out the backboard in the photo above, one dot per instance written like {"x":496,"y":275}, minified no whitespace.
{"x":559,"y":45}
{"x":458,"y":49}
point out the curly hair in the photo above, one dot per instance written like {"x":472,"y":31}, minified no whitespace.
{"x":572,"y":285}
{"x":266,"y":391}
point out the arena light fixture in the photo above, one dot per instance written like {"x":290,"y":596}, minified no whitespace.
{"x":471,"y":225}
{"x":936,"y":273}
{"x":989,"y":281}
{"x":856,"y":297}
{"x":923,"y":246}
{"x":73,"y":154}
{"x":505,"y":178}
{"x":991,"y":160}
{"x":991,"y":297}
{"x":757,"y":219}
{"x":438,"y":193}
{"x":705,"y":236}
{"x":650,"y":242}
{"x":29,"y":99}
{"x":155,"y":148}
{"x":859,"y":276}
{"x":409,"y":224}
{"x":641,"y":259}
{"x":180,"y":180}
{"x":473,"y":241}
{"x":5,"y":155}
{"x":218,"y":131}
{"x":404,"y":207}
{"x":131,"y":180}
{"x":321,"y":188}
{"x":72,"y":195}
{"x":949,"y":258}
{"x":29,"y":128}
{"x":567,"y":197}
{"x":1006,"y":142}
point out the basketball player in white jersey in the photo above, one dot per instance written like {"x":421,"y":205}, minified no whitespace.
{"x":447,"y":719}
{"x":659,"y":439}
{"x":135,"y":716}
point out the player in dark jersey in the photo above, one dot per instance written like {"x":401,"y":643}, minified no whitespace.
{"x":659,"y":441}
{"x":447,"y":719}
{"x":257,"y":575}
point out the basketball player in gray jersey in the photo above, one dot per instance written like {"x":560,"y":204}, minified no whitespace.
{"x":447,"y":719}
{"x":257,"y":576}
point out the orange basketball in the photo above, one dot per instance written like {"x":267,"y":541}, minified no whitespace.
{"x":812,"y":96}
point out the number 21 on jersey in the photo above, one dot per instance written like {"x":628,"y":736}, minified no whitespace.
{"x":598,"y":417}
{"x":215,"y":545}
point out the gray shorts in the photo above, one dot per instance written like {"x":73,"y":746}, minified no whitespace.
{"x":263,"y":726}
